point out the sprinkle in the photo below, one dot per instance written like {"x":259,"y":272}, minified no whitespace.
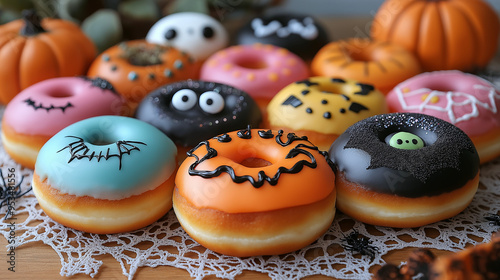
{"x":236,"y":74}
{"x":132,"y":76}
{"x":178,"y":64}
{"x":212,"y":63}
{"x":406,"y":90}
{"x":291,"y":62}
{"x":105,"y":57}
{"x":272,"y":77}
{"x":286,"y":72}
{"x":227,"y":66}
{"x":113,"y":68}
{"x":251,"y":77}
{"x":168,"y":73}
{"x":151,"y":76}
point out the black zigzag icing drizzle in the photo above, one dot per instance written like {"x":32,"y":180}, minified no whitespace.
{"x":33,"y":104}
{"x":306,"y":149}
{"x":79,"y":150}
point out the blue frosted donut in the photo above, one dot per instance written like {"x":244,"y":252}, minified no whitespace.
{"x":106,"y":174}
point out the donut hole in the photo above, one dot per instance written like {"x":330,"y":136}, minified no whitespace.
{"x":253,"y":162}
{"x":142,"y":55}
{"x":440,"y":86}
{"x":251,"y":63}
{"x":60,"y":94}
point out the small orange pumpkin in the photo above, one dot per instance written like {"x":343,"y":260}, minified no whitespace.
{"x":137,"y":67}
{"x":444,"y":34}
{"x":34,"y":49}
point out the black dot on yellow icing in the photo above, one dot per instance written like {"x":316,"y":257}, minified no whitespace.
{"x":324,"y":101}
{"x":309,"y":110}
{"x":327,"y":115}
{"x":342,"y":110}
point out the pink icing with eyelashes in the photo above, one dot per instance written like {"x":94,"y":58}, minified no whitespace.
{"x":467,"y":101}
{"x":260,"y":70}
{"x":49,"y":106}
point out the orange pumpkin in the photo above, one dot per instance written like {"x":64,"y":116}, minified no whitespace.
{"x":137,"y":67}
{"x":444,"y":34}
{"x":32,"y":50}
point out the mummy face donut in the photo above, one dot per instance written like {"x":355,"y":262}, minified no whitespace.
{"x":465,"y":100}
{"x":326,"y":106}
{"x":299,"y":34}
{"x":192,"y":111}
{"x":404,"y":170}
{"x":197,"y":34}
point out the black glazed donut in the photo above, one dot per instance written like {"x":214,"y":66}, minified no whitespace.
{"x":192,"y":111}
{"x":404,"y":170}
{"x":300,"y":34}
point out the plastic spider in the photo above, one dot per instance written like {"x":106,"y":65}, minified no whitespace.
{"x":8,"y":193}
{"x":358,"y":243}
{"x":494,"y":219}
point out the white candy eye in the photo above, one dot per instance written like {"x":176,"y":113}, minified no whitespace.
{"x":211,"y":102}
{"x":184,"y":99}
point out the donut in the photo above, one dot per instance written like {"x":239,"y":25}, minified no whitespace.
{"x":404,"y":170}
{"x":300,"y":34}
{"x":322,"y":108}
{"x":197,"y":34}
{"x":381,"y":64}
{"x":255,"y":192}
{"x":189,"y":112}
{"x":260,"y":70}
{"x":106,"y":174}
{"x":465,"y":100}
{"x":43,"y":109}
{"x":137,"y":67}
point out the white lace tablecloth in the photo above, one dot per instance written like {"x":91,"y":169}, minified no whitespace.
{"x":79,"y":252}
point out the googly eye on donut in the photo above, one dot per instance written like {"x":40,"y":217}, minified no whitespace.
{"x":323,"y":108}
{"x":404,"y":170}
{"x":192,"y":111}
{"x":197,"y":34}
{"x":465,"y":100}
{"x":300,"y":34}
{"x":381,"y":64}
{"x":137,"y":67}
{"x":106,"y":174}
{"x":258,"y":69}
{"x":255,"y":192}
{"x":43,"y":109}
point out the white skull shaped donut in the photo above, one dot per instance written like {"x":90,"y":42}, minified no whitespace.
{"x":197,"y":34}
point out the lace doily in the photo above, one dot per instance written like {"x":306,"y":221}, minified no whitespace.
{"x":171,"y":246}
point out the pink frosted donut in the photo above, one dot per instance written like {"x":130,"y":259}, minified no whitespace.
{"x":467,"y":101}
{"x":258,"y":69}
{"x":41,"y":110}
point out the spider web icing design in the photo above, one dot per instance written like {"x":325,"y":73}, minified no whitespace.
{"x":467,"y":100}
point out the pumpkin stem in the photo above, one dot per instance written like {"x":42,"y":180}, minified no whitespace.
{"x":142,"y":55}
{"x":32,"y":23}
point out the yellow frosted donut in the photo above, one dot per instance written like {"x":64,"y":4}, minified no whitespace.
{"x":323,"y":108}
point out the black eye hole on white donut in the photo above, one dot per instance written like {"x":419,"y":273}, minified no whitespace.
{"x":208,"y":32}
{"x":210,"y":102}
{"x":170,"y":34}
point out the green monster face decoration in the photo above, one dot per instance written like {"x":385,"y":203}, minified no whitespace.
{"x":406,"y":141}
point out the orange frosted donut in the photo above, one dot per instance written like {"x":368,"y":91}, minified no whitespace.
{"x":255,"y":192}
{"x":383,"y":65}
{"x":260,"y":70}
{"x":137,"y":67}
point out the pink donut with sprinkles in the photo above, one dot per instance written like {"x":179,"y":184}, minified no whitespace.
{"x":40,"y":111}
{"x":258,"y":69}
{"x":465,"y":100}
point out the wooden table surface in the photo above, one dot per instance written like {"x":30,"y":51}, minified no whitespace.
{"x":38,"y":261}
